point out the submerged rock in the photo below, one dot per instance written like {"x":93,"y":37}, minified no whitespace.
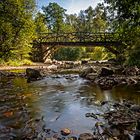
{"x":65,"y":131}
{"x":33,"y":74}
{"x":86,"y":136}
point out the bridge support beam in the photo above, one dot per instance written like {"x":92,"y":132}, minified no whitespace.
{"x":112,"y":50}
{"x":37,"y":53}
{"x":48,"y":51}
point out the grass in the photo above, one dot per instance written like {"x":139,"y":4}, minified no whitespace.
{"x":16,"y":63}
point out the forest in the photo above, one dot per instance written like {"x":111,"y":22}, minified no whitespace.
{"x":22,"y":23}
{"x":80,"y":91}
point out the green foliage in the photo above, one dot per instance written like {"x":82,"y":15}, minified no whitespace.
{"x":92,"y":20}
{"x":124,"y":18}
{"x":68,"y":54}
{"x":54,"y":15}
{"x":134,"y":54}
{"x":26,"y":62}
{"x":2,"y":62}
{"x":125,"y":13}
{"x":134,"y":58}
{"x":98,"y":53}
{"x":17,"y":28}
{"x":15,"y":62}
{"x":40,"y":26}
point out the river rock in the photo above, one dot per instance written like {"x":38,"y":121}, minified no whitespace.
{"x":86,"y":71}
{"x":72,"y":138}
{"x":2,"y":74}
{"x":52,"y":67}
{"x":84,"y":62}
{"x":135,"y":108}
{"x":50,"y":139}
{"x":119,"y":71}
{"x":106,"y":82}
{"x":65,"y":131}
{"x":112,"y":60}
{"x":48,"y":61}
{"x":131,"y":71}
{"x":106,"y":71}
{"x":86,"y":136}
{"x":33,"y":74}
{"x":91,"y":76}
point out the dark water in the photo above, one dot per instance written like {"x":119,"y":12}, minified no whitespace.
{"x":63,"y":100}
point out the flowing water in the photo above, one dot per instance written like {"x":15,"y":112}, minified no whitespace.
{"x":63,"y":101}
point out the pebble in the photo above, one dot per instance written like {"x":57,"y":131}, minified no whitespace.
{"x":65,"y":131}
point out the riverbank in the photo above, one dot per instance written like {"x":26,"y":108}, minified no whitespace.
{"x":34,"y":66}
{"x":104,"y":74}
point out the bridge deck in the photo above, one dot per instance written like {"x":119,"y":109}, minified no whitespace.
{"x":80,"y":39}
{"x":81,"y":44}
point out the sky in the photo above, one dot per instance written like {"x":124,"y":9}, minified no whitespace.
{"x":72,"y":6}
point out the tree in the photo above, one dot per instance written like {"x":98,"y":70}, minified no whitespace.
{"x":40,"y":25}
{"x":17,"y":28}
{"x":54,"y":15}
{"x":100,"y":23}
{"x":90,"y":14}
{"x":124,"y":18}
{"x":71,"y":22}
{"x":125,"y":12}
{"x":36,"y":53}
{"x":68,"y":54}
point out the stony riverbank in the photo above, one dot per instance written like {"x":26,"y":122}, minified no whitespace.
{"x":106,"y":75}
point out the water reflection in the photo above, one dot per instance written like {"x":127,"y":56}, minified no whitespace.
{"x":63,"y":101}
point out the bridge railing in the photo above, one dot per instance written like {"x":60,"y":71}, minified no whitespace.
{"x":79,"y":37}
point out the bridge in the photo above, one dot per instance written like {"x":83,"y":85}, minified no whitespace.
{"x":84,"y":39}
{"x":80,"y":39}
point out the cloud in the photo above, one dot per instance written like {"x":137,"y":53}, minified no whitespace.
{"x":74,"y":6}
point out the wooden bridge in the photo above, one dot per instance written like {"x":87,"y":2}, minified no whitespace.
{"x":53,"y":40}
{"x":80,"y":39}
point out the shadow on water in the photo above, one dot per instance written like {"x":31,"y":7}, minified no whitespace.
{"x":63,"y":100}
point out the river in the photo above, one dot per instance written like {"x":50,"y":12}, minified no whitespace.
{"x":63,"y":101}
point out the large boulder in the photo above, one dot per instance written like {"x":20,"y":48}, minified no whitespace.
{"x":86,"y":71}
{"x":106,"y":71}
{"x":33,"y":75}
